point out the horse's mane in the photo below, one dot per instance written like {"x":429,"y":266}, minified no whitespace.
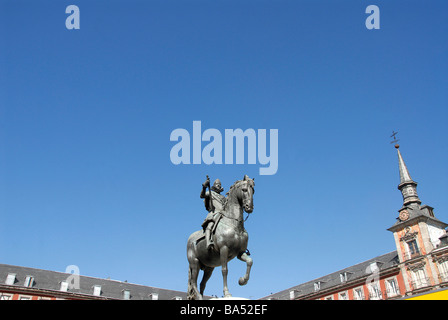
{"x":237,"y":182}
{"x":233,"y":187}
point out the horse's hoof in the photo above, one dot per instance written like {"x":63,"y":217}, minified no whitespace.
{"x":242,"y":281}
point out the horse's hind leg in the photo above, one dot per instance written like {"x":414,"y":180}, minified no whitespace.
{"x":224,"y":256}
{"x":207,"y":274}
{"x":245,"y":257}
{"x":193,"y":292}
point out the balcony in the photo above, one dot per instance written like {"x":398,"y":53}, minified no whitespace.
{"x":392,"y":293}
{"x":375,"y":294}
{"x":420,"y":283}
{"x":413,"y":255}
{"x":443,"y":277}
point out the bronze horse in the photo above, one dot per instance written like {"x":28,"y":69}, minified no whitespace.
{"x":230,"y":239}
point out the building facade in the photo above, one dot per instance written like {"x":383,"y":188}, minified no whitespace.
{"x":419,"y":265}
{"x":22,"y":283}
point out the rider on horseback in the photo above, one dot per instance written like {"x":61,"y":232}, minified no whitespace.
{"x":214,"y":207}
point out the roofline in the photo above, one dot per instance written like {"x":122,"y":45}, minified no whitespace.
{"x":419,"y":218}
{"x":84,"y":276}
{"x":323,"y":278}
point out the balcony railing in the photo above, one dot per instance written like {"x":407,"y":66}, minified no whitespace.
{"x":443,"y":277}
{"x":375,"y":295}
{"x":390,"y":293}
{"x":421,"y":283}
{"x":414,"y":254}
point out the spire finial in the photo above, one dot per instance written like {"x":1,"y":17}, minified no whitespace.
{"x":407,"y":186}
{"x":395,"y":138}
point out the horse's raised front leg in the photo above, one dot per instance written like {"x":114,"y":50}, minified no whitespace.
{"x":245,"y":257}
{"x":224,"y":256}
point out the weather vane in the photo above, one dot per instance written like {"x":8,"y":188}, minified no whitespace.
{"x":394,"y":137}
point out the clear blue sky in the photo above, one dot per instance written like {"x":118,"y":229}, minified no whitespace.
{"x":86,"y":117}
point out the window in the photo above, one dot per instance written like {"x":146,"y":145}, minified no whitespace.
{"x":343,"y":276}
{"x":413,"y":249}
{"x":374,"y":291}
{"x":292,"y":294}
{"x":64,"y":286}
{"x":392,"y":288}
{"x":317,"y":286}
{"x":420,"y":279}
{"x":10,"y":279}
{"x":5,"y":296}
{"x":155,"y":296}
{"x":358,"y":293}
{"x":97,"y":290}
{"x":29,"y":281}
{"x":343,"y":295}
{"x":443,"y":271}
{"x":126,"y":294}
{"x":25,"y":298}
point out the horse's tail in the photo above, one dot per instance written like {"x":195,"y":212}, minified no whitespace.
{"x":190,"y":287}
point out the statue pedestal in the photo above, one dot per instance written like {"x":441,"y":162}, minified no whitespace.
{"x":229,"y":298}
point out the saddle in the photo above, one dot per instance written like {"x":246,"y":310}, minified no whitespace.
{"x":216,"y":220}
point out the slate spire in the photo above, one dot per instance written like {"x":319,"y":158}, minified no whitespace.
{"x":407,"y":186}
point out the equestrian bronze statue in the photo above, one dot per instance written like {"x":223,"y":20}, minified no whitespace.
{"x":222,"y":237}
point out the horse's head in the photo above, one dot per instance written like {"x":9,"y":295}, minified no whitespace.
{"x":247,"y":190}
{"x":242,"y":192}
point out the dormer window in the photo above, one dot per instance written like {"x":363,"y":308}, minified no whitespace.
{"x":126,"y":294}
{"x":97,"y":290}
{"x":343,"y":276}
{"x":64,"y":286}
{"x":29,"y":281}
{"x":10,"y":279}
{"x":317,"y":286}
{"x":292,"y":294}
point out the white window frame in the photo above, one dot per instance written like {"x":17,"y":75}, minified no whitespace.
{"x":375,"y":291}
{"x":343,"y":295}
{"x":64,"y":286}
{"x":392,"y":290}
{"x":25,"y":297}
{"x":6,"y":296}
{"x":126,"y":294}
{"x":97,"y":290}
{"x":443,"y":270}
{"x":29,"y":281}
{"x":10,"y":279}
{"x":356,"y":292}
{"x":419,"y":277}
